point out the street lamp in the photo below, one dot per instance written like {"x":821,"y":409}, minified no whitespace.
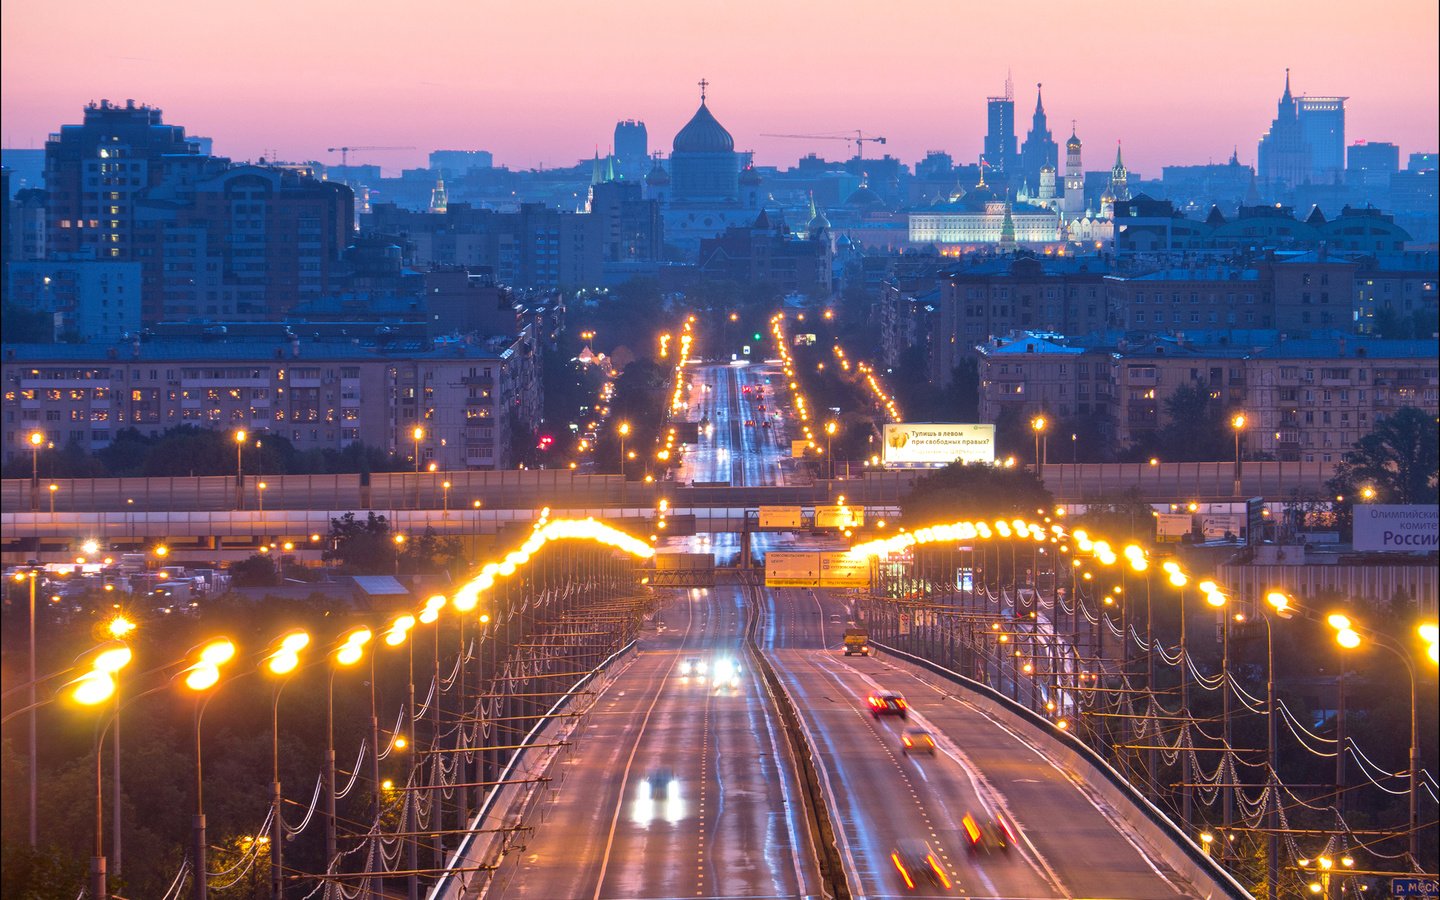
{"x":445,"y":497}
{"x":200,"y":677}
{"x":399,"y":545}
{"x":349,"y":652}
{"x":260,"y":494}
{"x":624,"y":430}
{"x":30,"y":574}
{"x":91,"y":689}
{"x":280,"y":662}
{"x":37,"y":440}
{"x":53,"y":489}
{"x":1348,"y":636}
{"x":830,"y":429}
{"x":119,"y":628}
{"x":1237,"y":423}
{"x":417,"y":434}
{"x":1038,"y":425}
{"x":240,"y":437}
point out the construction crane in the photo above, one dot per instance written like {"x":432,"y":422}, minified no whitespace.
{"x":859,"y":139}
{"x":345,"y":152}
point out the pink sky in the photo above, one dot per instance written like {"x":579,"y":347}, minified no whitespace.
{"x":545,"y":82}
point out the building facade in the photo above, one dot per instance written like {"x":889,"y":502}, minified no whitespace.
{"x":466,"y":398}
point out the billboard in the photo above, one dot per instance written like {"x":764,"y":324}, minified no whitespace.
{"x":790,"y":568}
{"x":839,"y":516}
{"x":1396,"y":529}
{"x":1172,"y":527}
{"x":918,"y":445}
{"x":841,"y":570}
{"x":781,"y":518}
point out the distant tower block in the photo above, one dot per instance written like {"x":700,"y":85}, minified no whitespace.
{"x":632,"y":149}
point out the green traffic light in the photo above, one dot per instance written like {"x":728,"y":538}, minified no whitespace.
{"x":757,"y":335}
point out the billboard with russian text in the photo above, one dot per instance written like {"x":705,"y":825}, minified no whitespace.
{"x":913,"y":445}
{"x":1396,"y":529}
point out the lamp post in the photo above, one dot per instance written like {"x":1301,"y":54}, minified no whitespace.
{"x":623,"y":430}
{"x":92,"y":689}
{"x":260,"y":488}
{"x":30,"y":574}
{"x":445,"y":498}
{"x":1038,"y":425}
{"x":118,"y":628}
{"x":281,"y":662}
{"x":351,"y":649}
{"x":36,"y":440}
{"x":200,"y":678}
{"x":1237,"y":423}
{"x":830,"y":429}
{"x":399,"y":545}
{"x":240,"y":437}
{"x":1348,"y":635}
{"x":1280,"y":603}
{"x":53,"y":489}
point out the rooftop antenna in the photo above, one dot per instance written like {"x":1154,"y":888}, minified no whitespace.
{"x":1009,"y":86}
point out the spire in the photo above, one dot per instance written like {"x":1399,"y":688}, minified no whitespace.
{"x":1286,"y":98}
{"x":1119,"y":163}
{"x":1039,"y":101}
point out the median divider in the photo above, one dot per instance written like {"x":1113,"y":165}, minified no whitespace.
{"x":833,"y":880}
{"x":1204,"y":873}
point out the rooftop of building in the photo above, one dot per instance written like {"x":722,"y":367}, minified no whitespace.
{"x":248,"y":351}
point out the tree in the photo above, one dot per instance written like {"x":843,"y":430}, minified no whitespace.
{"x":26,"y":326}
{"x":1196,"y":430}
{"x":958,"y":492}
{"x":254,"y":571}
{"x":1398,"y":460}
{"x":364,"y":548}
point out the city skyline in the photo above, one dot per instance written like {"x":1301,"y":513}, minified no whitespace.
{"x":1206,"y":75}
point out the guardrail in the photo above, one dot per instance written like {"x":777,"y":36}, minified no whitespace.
{"x":1197,"y":865}
{"x":449,"y":885}
{"x":833,"y":879}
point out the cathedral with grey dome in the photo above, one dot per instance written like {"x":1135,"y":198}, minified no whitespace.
{"x":705,"y":189}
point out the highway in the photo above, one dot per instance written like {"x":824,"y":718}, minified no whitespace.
{"x":728,"y":401}
{"x":1069,"y":844}
{"x":680,"y":784}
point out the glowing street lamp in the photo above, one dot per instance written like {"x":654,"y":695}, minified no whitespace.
{"x":1237,"y":423}
{"x":417,"y":434}
{"x":1039,"y":425}
{"x":240,"y":437}
{"x":200,"y":677}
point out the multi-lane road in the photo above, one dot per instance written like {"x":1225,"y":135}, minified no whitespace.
{"x":681,"y":782}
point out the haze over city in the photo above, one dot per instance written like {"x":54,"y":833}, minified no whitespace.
{"x":1177,"y":83}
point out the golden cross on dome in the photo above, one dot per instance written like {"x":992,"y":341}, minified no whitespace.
{"x":703,"y":85}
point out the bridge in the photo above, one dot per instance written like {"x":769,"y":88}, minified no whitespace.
{"x":598,"y":736}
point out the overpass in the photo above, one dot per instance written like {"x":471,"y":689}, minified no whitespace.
{"x":532,"y":489}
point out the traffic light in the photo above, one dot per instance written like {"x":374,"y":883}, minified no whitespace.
{"x":757,"y":335}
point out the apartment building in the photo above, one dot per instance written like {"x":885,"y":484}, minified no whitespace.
{"x":1308,"y":399}
{"x":465,"y":397}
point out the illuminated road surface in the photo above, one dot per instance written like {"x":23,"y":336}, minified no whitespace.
{"x":1070,"y":844}
{"x":679,"y":785}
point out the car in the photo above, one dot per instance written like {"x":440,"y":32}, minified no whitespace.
{"x":988,"y":834}
{"x":917,"y":861}
{"x":749,"y":423}
{"x":887,"y":703}
{"x":765,"y":424}
{"x":835,"y":617}
{"x":693,"y":665}
{"x":916,"y":740}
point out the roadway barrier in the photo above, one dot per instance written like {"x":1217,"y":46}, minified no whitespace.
{"x":834,"y":880}
{"x":1160,"y":832}
{"x":485,"y":844}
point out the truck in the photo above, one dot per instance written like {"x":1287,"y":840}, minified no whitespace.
{"x":857,"y":642}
